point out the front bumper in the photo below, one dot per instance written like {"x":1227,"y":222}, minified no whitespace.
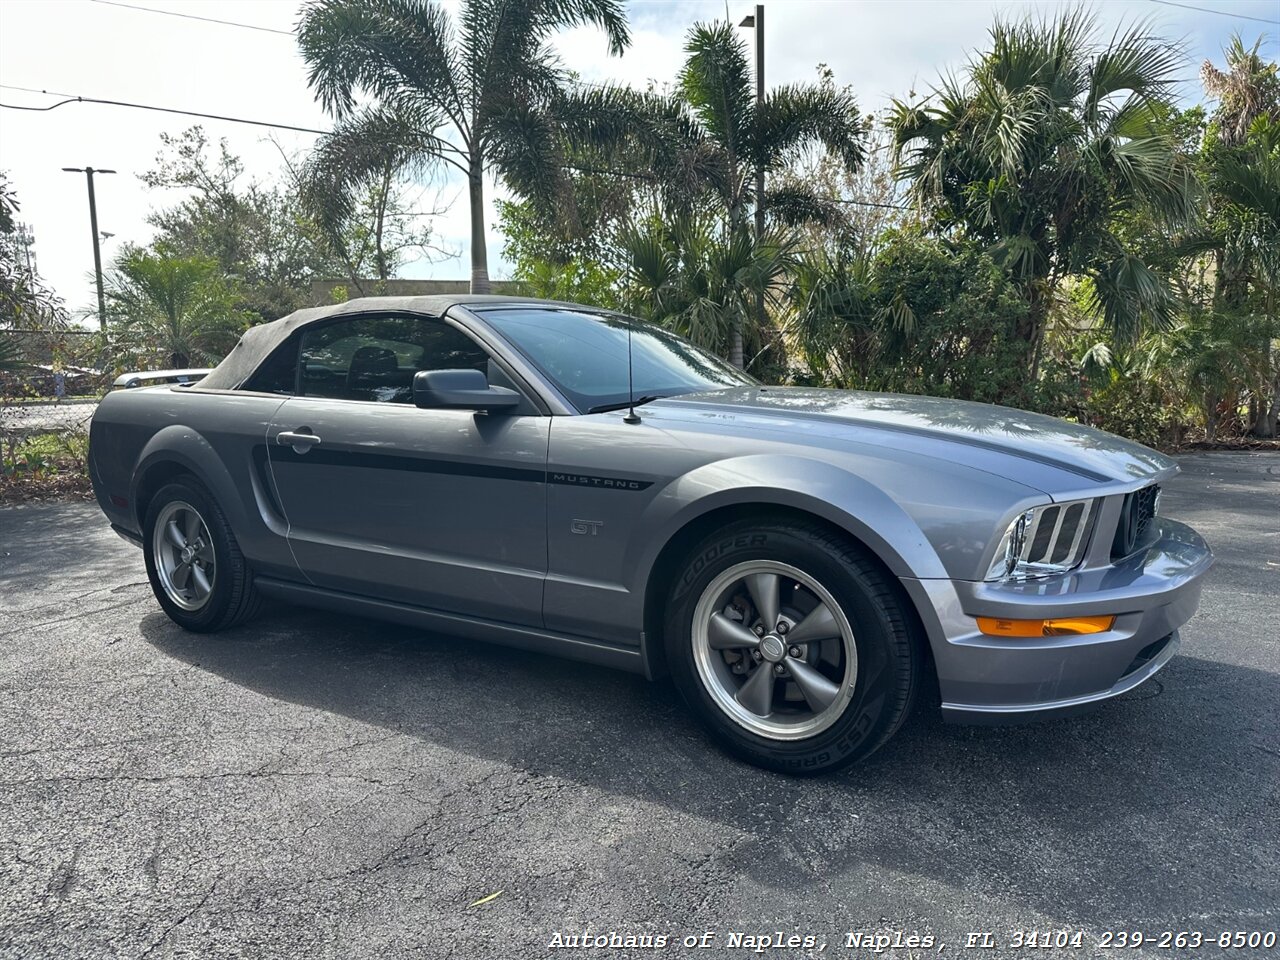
{"x":987,"y":679}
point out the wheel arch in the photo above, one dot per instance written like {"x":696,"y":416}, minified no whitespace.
{"x":176,"y":451}
{"x":775,"y":488}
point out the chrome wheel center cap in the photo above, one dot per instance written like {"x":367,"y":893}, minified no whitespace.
{"x":772,"y":648}
{"x":188,"y":553}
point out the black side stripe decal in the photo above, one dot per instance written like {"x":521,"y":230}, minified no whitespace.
{"x":454,"y":468}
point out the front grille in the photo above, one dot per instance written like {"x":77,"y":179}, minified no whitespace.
{"x":1135,"y":524}
{"x":1057,"y":536}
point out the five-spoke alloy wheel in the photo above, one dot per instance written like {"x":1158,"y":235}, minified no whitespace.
{"x":792,"y":643}
{"x":195,"y":566}
{"x":774,"y":649}
{"x":184,"y":556}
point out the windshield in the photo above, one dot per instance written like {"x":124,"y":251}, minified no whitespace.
{"x":585,"y":355}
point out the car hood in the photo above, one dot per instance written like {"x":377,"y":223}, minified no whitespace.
{"x":1051,"y":454}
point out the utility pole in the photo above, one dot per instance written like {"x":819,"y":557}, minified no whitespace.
{"x":757,"y":21}
{"x":97,"y":251}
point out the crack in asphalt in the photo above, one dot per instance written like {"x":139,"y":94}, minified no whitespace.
{"x":117,"y":589}
{"x":179,"y":922}
{"x":198,"y":777}
{"x":69,"y":618}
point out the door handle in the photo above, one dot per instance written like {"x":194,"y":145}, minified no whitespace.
{"x":300,"y":441}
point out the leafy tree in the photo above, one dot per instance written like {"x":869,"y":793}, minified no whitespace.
{"x":179,"y":310}
{"x":488,"y":80}
{"x":701,"y":276}
{"x":25,"y":301}
{"x":275,"y":237}
{"x":253,"y":231}
{"x":569,"y":273}
{"x":917,"y":315}
{"x":1051,"y":138}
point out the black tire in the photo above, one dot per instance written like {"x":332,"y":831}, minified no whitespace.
{"x":889,"y":647}
{"x":233,"y":598}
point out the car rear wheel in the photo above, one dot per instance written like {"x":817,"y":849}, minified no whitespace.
{"x":792,"y":645}
{"x":195,"y":566}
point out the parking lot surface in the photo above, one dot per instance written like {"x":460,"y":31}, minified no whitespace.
{"x":317,"y":786}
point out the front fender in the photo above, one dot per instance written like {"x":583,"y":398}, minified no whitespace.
{"x":827,"y":491}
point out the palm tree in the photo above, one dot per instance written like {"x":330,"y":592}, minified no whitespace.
{"x":701,"y":276}
{"x":1242,"y":159}
{"x":1247,"y":89}
{"x":714,"y":140}
{"x":483,"y":94}
{"x":1042,"y":150}
{"x":177,"y":309}
{"x":737,"y":137}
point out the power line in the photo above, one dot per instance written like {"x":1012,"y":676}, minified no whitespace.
{"x":1221,"y":13}
{"x":71,"y":98}
{"x":284,"y":33}
{"x":192,"y":16}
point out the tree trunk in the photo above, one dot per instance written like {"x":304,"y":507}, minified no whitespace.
{"x":1268,"y":407}
{"x":735,"y":344}
{"x":1032,"y":329}
{"x":179,"y":361}
{"x":479,"y":251}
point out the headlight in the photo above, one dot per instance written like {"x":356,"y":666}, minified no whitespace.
{"x":1044,"y":541}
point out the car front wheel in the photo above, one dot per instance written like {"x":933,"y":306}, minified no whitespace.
{"x":195,"y":566}
{"x":791,"y":644}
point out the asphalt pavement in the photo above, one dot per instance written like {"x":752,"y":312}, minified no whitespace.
{"x":318,"y":786}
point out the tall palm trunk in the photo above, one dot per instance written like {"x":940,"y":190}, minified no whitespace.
{"x":479,"y":251}
{"x":735,"y":344}
{"x":1031,"y":328}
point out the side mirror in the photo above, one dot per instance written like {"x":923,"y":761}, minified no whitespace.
{"x":460,"y":390}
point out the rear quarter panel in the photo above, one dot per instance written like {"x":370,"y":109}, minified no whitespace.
{"x":217,"y":436}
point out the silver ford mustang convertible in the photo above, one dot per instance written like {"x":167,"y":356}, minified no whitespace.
{"x":805,"y":564}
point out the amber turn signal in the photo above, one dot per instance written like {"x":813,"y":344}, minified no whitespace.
{"x":1062,"y":627}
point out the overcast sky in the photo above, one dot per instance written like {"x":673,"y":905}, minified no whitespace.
{"x":94,"y":48}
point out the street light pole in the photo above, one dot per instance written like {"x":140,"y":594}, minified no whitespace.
{"x":757,"y":22}
{"x":97,"y":251}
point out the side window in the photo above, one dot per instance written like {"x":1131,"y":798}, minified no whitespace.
{"x":375,"y":358}
{"x":279,"y":372}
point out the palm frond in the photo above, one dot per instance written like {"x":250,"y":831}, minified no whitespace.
{"x":793,"y":116}
{"x":1131,"y":298}
{"x":383,"y":48}
{"x":716,"y":82}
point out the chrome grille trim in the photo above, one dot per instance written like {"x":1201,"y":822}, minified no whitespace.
{"x":1064,"y":545}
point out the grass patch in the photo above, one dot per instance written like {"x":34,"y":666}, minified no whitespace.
{"x":45,"y":466}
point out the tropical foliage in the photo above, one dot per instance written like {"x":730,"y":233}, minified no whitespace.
{"x":1044,"y":147}
{"x":178,"y":311}
{"x":1046,"y":227}
{"x":410,"y":86}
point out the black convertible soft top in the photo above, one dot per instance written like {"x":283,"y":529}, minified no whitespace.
{"x":258,"y":342}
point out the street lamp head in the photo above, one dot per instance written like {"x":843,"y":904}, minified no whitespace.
{"x":748,"y":21}
{"x":74,"y":169}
